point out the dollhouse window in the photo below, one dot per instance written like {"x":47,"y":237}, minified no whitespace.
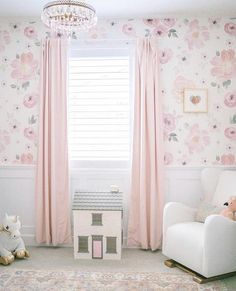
{"x":96,"y":218}
{"x":83,"y":244}
{"x":111,"y":245}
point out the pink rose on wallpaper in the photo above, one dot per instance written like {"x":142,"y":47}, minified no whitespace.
{"x":227,"y":159}
{"x":165,"y":55}
{"x":30,"y":100}
{"x":160,"y":30}
{"x":26,"y":158}
{"x":30,"y":32}
{"x":230,"y":28}
{"x":168,"y":158}
{"x":30,"y":133}
{"x":128,"y":29}
{"x":230,"y":133}
{"x":4,"y":39}
{"x":169,"y":22}
{"x":24,"y":67}
{"x":230,"y":99}
{"x":169,"y":122}
{"x":4,"y":139}
{"x":224,"y":65}
{"x":180,"y":84}
{"x":151,"y":21}
{"x":197,"y":139}
{"x":196,"y":35}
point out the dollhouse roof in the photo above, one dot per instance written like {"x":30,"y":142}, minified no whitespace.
{"x":97,"y":201}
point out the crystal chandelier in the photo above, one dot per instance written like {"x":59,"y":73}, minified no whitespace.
{"x":68,"y":16}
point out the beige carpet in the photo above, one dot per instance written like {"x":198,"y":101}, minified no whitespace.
{"x":137,"y":263}
{"x":27,"y":280}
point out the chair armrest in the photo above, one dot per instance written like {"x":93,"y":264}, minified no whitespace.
{"x":219,"y":243}
{"x":221,"y":229}
{"x":175,"y":212}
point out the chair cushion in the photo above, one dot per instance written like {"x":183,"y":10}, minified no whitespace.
{"x":225,"y":188}
{"x":184,"y":244}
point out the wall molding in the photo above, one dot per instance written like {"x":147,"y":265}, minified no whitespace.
{"x":17,"y":189}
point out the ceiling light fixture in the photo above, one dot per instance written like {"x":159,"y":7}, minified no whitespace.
{"x":66,"y":17}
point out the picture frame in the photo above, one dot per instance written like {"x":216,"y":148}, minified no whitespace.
{"x":195,"y":100}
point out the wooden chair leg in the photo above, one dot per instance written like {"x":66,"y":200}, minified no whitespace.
{"x":197,"y":277}
{"x":170,"y":263}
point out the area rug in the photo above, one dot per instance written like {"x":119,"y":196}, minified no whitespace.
{"x":36,"y":280}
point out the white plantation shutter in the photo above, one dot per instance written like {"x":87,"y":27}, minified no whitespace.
{"x":99,"y":105}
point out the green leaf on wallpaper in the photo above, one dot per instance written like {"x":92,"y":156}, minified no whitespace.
{"x":32,"y":120}
{"x":217,"y":53}
{"x":37,"y":43}
{"x":172,"y":32}
{"x":17,"y":157}
{"x":186,"y":21}
{"x":74,"y":35}
{"x":17,"y":56}
{"x":226,"y":84}
{"x":25,"y":85}
{"x":213,"y":84}
{"x":217,"y":158}
{"x":13,"y":86}
{"x":233,"y":119}
{"x":173,"y":137}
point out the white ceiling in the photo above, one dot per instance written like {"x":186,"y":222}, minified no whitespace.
{"x":129,"y":8}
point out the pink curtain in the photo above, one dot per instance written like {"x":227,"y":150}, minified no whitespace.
{"x":147,"y":190}
{"x":52,"y":179}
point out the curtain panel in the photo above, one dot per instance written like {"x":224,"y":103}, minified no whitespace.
{"x":147,"y":179}
{"x":52,"y":176}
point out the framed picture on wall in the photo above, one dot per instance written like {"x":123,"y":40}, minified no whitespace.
{"x":195,"y":100}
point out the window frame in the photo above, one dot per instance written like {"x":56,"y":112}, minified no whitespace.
{"x":111,"y":240}
{"x":119,"y":48}
{"x":80,"y":237}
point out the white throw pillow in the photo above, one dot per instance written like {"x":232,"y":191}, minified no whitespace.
{"x":205,"y":209}
{"x":225,"y":188}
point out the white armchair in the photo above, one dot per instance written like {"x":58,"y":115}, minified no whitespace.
{"x":209,"y":249}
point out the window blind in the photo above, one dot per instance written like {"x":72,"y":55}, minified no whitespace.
{"x":99,"y":107}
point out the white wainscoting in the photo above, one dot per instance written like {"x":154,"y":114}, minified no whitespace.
{"x":17,"y":189}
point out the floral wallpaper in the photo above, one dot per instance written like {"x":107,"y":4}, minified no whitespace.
{"x":194,"y":53}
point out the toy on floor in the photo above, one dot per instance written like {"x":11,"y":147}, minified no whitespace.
{"x":11,"y":243}
{"x":230,"y":211}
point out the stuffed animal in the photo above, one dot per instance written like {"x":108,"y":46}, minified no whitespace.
{"x":230,"y":211}
{"x":11,"y":243}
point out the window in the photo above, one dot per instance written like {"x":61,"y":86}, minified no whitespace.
{"x":83,"y":244}
{"x":96,"y":218}
{"x":111,"y":245}
{"x":99,"y":104}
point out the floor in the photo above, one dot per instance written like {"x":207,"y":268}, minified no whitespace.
{"x":132,"y":260}
{"x":62,"y":258}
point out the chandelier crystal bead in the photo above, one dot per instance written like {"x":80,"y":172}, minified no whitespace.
{"x":66,"y":17}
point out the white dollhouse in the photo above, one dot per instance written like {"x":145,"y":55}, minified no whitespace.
{"x":97,"y":225}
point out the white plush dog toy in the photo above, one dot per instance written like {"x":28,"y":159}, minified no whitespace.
{"x":11,"y":243}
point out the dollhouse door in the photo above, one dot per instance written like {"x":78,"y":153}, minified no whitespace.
{"x":97,"y":247}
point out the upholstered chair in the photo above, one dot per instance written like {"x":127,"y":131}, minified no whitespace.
{"x":208,"y":249}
